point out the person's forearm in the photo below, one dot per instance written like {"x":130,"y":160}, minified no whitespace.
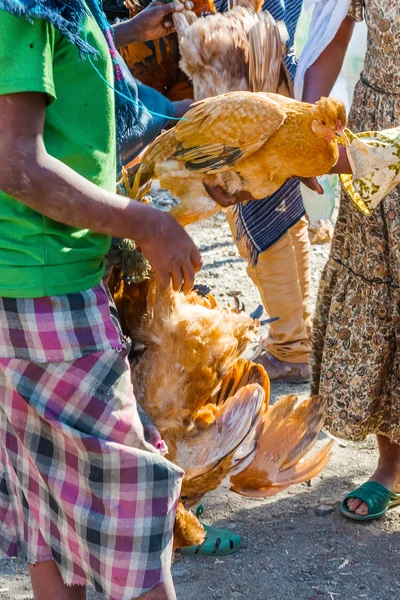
{"x":342,"y":166}
{"x":125,"y":33}
{"x":56,"y":191}
{"x":321,"y":76}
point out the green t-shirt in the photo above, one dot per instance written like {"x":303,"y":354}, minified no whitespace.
{"x":38,"y":256}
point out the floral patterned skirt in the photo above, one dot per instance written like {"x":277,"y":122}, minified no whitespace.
{"x":356,"y":364}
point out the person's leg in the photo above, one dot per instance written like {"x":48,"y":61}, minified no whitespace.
{"x":277,"y":278}
{"x":387,"y":473}
{"x":163,"y":591}
{"x":47,"y":584}
{"x":302,"y":249}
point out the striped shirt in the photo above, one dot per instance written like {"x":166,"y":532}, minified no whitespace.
{"x":264,"y":222}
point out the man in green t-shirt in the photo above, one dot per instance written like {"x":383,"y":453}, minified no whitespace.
{"x":64,"y":114}
{"x":83,"y":494}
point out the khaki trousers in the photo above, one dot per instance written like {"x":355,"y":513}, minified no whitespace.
{"x":283,"y":278}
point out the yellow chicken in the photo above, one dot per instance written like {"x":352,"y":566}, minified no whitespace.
{"x":241,"y":49}
{"x":211,"y":406}
{"x":241,"y":141}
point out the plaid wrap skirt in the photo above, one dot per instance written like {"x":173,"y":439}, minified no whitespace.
{"x":80,"y":482}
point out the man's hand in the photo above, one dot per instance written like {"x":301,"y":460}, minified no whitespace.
{"x":156,"y":19}
{"x":224,"y":199}
{"x":170,"y":251}
{"x":312,"y":184}
{"x":154,"y":22}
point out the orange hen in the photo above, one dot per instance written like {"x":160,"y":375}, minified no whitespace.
{"x":211,"y":406}
{"x":241,"y":141}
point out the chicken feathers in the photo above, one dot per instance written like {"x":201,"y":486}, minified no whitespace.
{"x":286,"y":435}
{"x":207,"y":454}
{"x":267,"y":47}
{"x":241,"y":49}
{"x":241,"y":141}
{"x":210,"y":405}
{"x":156,"y":63}
{"x":192,"y":371}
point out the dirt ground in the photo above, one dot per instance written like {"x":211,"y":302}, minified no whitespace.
{"x":289,"y":552}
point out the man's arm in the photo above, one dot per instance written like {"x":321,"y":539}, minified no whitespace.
{"x":38,"y":180}
{"x":321,"y":76}
{"x":319,"y":80}
{"x":342,"y":166}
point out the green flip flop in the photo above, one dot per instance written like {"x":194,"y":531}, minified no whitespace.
{"x":218,"y":542}
{"x":376,"y":496}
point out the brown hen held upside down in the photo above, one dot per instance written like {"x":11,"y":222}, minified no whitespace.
{"x":242,"y":49}
{"x":241,"y":141}
{"x":210,"y":405}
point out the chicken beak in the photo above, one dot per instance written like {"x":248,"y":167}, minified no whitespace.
{"x":341,"y":137}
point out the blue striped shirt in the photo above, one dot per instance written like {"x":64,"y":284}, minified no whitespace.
{"x":262,"y":223}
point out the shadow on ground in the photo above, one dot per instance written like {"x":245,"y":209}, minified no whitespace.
{"x":289,"y":553}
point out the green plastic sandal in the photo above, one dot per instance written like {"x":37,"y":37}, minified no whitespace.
{"x":376,"y":496}
{"x":218,"y":542}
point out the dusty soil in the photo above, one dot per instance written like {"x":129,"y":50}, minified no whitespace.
{"x":288,"y":552}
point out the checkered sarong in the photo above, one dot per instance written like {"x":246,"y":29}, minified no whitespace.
{"x":78,"y":482}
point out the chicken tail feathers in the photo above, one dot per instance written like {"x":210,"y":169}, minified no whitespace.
{"x":288,"y":434}
{"x":134,"y":192}
{"x":243,"y":373}
{"x":161,"y":149}
{"x":267,"y":46}
{"x":188,"y":531}
{"x":254,"y":4}
{"x":206,"y":453}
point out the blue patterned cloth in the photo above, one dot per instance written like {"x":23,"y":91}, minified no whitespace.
{"x":264,"y":222}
